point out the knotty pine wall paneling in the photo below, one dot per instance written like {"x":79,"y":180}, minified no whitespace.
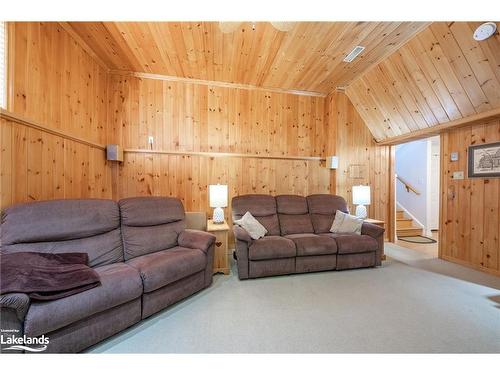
{"x":55,"y":82}
{"x":470,"y":208}
{"x":36,"y":165}
{"x":187,"y":177}
{"x":201,"y":117}
{"x":58,"y":86}
{"x":185,"y":117}
{"x":358,"y":153}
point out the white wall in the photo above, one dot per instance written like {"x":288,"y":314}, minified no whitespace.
{"x":433,"y":183}
{"x":411,"y":166}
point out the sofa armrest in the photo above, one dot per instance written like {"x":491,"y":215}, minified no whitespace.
{"x":13,"y":310}
{"x":242,"y":242}
{"x":196,"y":239}
{"x":376,"y":232}
{"x":18,"y":302}
{"x":241,"y":234}
{"x":372,"y":230}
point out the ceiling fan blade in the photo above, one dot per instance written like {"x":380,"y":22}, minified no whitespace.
{"x":283,"y":26}
{"x":229,"y":27}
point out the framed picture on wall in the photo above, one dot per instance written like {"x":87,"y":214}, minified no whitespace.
{"x":484,"y":160}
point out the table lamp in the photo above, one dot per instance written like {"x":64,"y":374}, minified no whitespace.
{"x":218,"y":199}
{"x":361,"y":197}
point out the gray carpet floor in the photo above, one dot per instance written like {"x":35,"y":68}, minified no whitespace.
{"x":412,"y":304}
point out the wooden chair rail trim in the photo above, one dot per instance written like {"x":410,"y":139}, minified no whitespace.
{"x":18,"y":119}
{"x":162,"y":77}
{"x":438,"y":129}
{"x":407,"y":185}
{"x":222,"y":154}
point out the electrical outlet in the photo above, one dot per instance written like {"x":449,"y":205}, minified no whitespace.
{"x":458,"y":175}
{"x":150,"y":140}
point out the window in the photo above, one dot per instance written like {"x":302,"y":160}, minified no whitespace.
{"x":3,"y":65}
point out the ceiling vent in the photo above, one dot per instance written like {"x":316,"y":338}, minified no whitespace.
{"x":354,"y":53}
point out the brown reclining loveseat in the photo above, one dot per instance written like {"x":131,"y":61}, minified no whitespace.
{"x":145,"y":258}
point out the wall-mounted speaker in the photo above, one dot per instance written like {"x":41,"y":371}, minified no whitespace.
{"x":332,"y":162}
{"x":114,"y":153}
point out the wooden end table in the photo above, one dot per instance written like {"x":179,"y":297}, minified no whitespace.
{"x":221,"y":258}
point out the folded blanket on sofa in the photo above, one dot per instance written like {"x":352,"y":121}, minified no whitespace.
{"x":46,"y":276}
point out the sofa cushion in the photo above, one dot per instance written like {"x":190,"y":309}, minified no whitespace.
{"x":64,"y":226}
{"x":139,"y":241}
{"x":102,"y":249}
{"x":322,"y":208}
{"x":148,"y":211}
{"x":150,"y":224}
{"x":164,"y":267}
{"x":293,"y":215}
{"x":322,"y":223}
{"x":262,"y":207}
{"x":256,"y":204}
{"x":295,"y":224}
{"x":326,"y":204}
{"x":120,"y":283}
{"x":348,"y":243}
{"x":291,"y":204}
{"x":58,"y":220}
{"x":271,"y":247}
{"x":312,"y":244}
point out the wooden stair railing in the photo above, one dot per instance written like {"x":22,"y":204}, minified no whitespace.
{"x":407,"y":185}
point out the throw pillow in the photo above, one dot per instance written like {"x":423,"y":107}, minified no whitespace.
{"x":255,"y":229}
{"x":345,"y":223}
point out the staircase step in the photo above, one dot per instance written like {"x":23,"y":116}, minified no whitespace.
{"x":404,"y":223}
{"x":400,"y":214}
{"x":413,"y":231}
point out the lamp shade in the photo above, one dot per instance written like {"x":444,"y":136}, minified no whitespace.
{"x":218,"y":195}
{"x":361,"y":194}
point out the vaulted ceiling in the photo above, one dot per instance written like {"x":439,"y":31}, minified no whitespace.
{"x":307,"y":58}
{"x":441,"y":75}
{"x":412,"y":76}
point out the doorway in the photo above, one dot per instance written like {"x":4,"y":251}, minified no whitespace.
{"x":417,"y":194}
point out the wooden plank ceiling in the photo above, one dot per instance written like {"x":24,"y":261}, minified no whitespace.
{"x":307,"y":58}
{"x":440,"y":75}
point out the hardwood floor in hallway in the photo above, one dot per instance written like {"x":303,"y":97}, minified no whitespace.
{"x":430,"y":249}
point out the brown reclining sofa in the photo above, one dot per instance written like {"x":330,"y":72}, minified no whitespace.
{"x":145,"y":258}
{"x":298,"y":236}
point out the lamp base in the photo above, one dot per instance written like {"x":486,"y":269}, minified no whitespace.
{"x":361,"y":211}
{"x":218,"y":215}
